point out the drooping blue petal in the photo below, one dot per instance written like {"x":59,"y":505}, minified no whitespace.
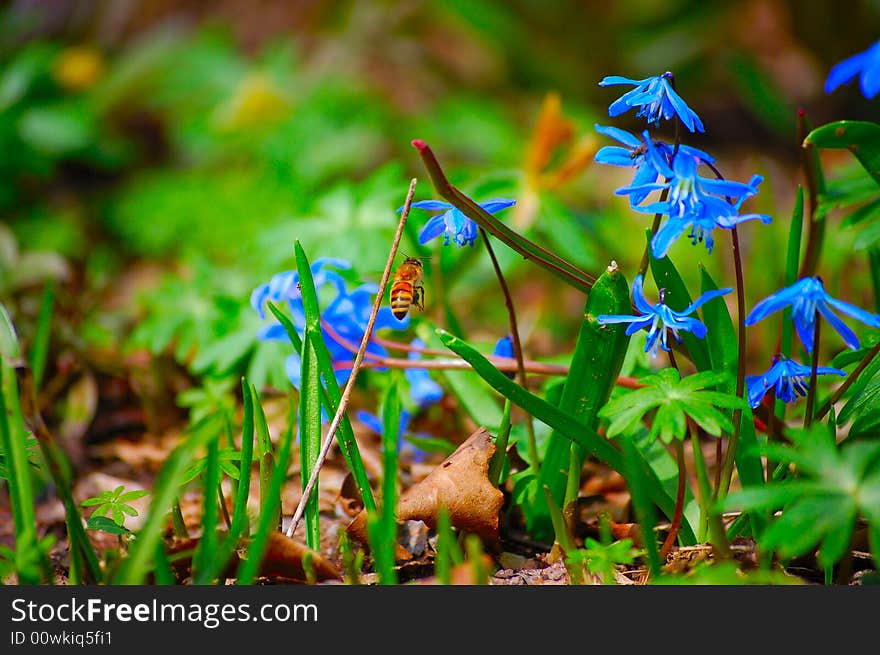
{"x":806,"y":297}
{"x":774,"y":302}
{"x":846,"y":70}
{"x":638,"y":295}
{"x":433,"y":229}
{"x":614,"y":156}
{"x":849,"y":337}
{"x":624,"y":137}
{"x":430,"y":205}
{"x":865,"y":65}
{"x":666,"y":236}
{"x":704,"y":298}
{"x":497,"y":204}
{"x":854,"y":312}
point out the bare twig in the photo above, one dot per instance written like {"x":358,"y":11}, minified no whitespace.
{"x":356,"y":366}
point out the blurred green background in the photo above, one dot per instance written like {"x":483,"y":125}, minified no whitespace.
{"x":158,"y":159}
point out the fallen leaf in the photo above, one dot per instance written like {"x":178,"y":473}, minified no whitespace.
{"x":461,"y":484}
{"x":284,"y":558}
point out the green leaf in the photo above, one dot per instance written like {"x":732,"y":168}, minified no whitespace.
{"x":862,"y":138}
{"x":105,"y":524}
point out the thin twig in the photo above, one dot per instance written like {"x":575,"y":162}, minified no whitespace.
{"x":356,"y":366}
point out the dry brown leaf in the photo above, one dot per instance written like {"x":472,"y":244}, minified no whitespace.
{"x":461,"y":484}
{"x":284,"y":558}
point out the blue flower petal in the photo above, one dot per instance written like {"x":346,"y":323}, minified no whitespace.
{"x":430,"y":205}
{"x":617,"y":134}
{"x":848,"y":336}
{"x":846,"y":70}
{"x":497,"y":204}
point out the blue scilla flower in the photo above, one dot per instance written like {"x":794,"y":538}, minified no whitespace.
{"x":697,"y":203}
{"x":374,"y":423}
{"x":504,"y":348}
{"x":422,"y":388}
{"x":806,"y":297}
{"x":655,"y":98}
{"x":344,"y":319}
{"x":659,"y":318}
{"x":865,"y":65}
{"x":452,"y":223}
{"x":285,"y":286}
{"x":788,"y":378}
{"x":649,"y":157}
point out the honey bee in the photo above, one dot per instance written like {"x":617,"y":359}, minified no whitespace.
{"x":407,"y":289}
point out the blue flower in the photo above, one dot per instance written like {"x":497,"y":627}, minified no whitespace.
{"x":374,"y":423}
{"x":452,"y":223}
{"x":865,"y":64}
{"x":504,"y":348}
{"x":696,"y":202}
{"x":344,"y":320}
{"x":658,"y":318}
{"x":806,"y":297}
{"x":650,"y":158}
{"x":655,"y":98}
{"x":787,"y":376}
{"x":422,"y":388}
{"x":285,"y":286}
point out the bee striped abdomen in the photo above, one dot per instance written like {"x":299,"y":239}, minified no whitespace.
{"x":401,"y":298}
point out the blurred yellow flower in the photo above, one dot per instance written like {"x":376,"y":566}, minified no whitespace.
{"x":78,"y":67}
{"x":257,"y":101}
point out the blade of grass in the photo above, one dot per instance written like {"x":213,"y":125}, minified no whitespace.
{"x":12,"y":438}
{"x":496,"y":466}
{"x":816,"y":188}
{"x":383,"y":531}
{"x":310,"y":437}
{"x":267,"y":452}
{"x":240,"y":522}
{"x":206,"y":553}
{"x":42,"y":332}
{"x":641,"y":500}
{"x":448,"y":551}
{"x":270,"y":510}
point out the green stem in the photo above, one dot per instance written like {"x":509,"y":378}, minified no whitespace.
{"x":669,"y":542}
{"x":811,"y":391}
{"x":496,"y":466}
